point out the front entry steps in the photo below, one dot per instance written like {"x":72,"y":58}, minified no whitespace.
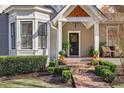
{"x":84,"y":76}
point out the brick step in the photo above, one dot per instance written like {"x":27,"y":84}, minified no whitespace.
{"x":79,"y":65}
{"x":85,"y":81}
{"x":82,"y":71}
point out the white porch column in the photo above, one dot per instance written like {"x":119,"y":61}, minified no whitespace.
{"x":35,"y":36}
{"x":96,"y":36}
{"x":59,"y":38}
{"x":48,"y":39}
{"x":18,"y":36}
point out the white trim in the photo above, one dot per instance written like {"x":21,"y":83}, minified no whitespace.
{"x":79,"y":51}
{"x":96,"y":36}
{"x":28,"y":7}
{"x":77,"y":19}
{"x":59,"y":38}
{"x":48,"y":39}
{"x":88,"y":8}
{"x":30,"y":21}
{"x":58,"y":15}
{"x":107,"y":28}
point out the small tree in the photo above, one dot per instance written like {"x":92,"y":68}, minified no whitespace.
{"x":118,"y":39}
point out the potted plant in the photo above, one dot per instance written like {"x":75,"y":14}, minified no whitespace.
{"x":91,"y":52}
{"x":66,"y":46}
{"x":62,"y":55}
{"x":96,"y":54}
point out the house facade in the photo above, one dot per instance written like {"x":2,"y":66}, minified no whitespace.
{"x":42,"y":30}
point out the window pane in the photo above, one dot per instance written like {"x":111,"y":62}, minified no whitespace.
{"x":13,"y":35}
{"x":30,"y":29}
{"x":111,"y":31}
{"x":29,"y":43}
{"x":24,"y":42}
{"x":26,"y":35}
{"x":24,"y":29}
{"x":39,"y":42}
{"x":42,"y":35}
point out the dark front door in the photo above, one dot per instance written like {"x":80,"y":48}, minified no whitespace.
{"x":74,"y":41}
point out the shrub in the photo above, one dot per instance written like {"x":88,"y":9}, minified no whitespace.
{"x":110,"y":64}
{"x":108,"y":75}
{"x":94,"y":62}
{"x":51,"y":69}
{"x":66,"y":75}
{"x":59,"y":69}
{"x":98,"y":69}
{"x":52,"y":64}
{"x":21,"y":64}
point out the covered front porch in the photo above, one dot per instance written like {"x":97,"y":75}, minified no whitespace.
{"x":78,"y":26}
{"x":73,"y":31}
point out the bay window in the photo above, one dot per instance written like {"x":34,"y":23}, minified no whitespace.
{"x":42,"y":35}
{"x":26,"y":35}
{"x":13,"y":36}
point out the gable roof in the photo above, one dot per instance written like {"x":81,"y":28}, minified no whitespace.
{"x":78,"y":12}
{"x":92,"y":10}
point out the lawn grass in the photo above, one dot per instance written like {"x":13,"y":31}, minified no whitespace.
{"x":27,"y":83}
{"x":118,"y":86}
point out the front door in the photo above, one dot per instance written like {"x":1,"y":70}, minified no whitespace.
{"x":74,"y":41}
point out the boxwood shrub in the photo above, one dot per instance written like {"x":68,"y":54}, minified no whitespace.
{"x":51,"y":70}
{"x":59,"y":69}
{"x":12,"y":65}
{"x":52,"y":64}
{"x":66,"y":75}
{"x":108,"y":75}
{"x":98,"y":69}
{"x":110,"y":64}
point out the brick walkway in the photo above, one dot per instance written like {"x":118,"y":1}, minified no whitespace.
{"x":84,"y":77}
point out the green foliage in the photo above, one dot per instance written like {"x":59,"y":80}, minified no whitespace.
{"x":52,"y":64}
{"x":66,"y":75}
{"x":96,"y":52}
{"x":59,"y":69}
{"x":94,"y":62}
{"x":91,"y":52}
{"x":51,"y":69}
{"x":108,"y":75}
{"x":98,"y":69}
{"x":110,"y":64}
{"x":62,"y":53}
{"x":105,"y":72}
{"x":21,"y":64}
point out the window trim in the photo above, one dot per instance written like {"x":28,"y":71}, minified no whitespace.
{"x":108,"y":27}
{"x":43,"y":35}
{"x":27,"y":21}
{"x":11,"y":35}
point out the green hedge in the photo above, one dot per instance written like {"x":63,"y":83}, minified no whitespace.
{"x":52,"y":64}
{"x":110,"y":64}
{"x":57,"y":70}
{"x":60,"y":68}
{"x":108,"y":75}
{"x":98,"y":69}
{"x":12,"y":65}
{"x":51,"y":70}
{"x":94,"y":62}
{"x":66,"y":75}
